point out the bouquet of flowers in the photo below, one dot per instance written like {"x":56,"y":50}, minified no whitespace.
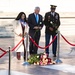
{"x":34,"y":58}
{"x":40,"y":59}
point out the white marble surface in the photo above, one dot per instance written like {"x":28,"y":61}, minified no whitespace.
{"x":5,"y":72}
{"x":62,"y":67}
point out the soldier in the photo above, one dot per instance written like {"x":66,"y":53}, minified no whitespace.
{"x":52,"y":23}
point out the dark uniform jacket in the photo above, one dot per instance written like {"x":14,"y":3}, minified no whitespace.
{"x":51,"y":21}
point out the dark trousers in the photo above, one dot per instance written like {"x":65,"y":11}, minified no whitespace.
{"x":36,"y":37}
{"x":54,"y":44}
{"x":24,"y":50}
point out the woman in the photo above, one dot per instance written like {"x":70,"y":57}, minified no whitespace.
{"x":19,"y":30}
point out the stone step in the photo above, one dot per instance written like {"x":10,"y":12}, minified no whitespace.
{"x":6,"y":31}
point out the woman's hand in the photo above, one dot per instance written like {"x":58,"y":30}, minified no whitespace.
{"x":25,"y":33}
{"x":20,"y":34}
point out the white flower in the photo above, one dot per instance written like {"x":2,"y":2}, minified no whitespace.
{"x":40,"y":22}
{"x":37,"y":56}
{"x":51,"y":22}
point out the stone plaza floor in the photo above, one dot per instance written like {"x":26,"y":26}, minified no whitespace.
{"x":67,"y":67}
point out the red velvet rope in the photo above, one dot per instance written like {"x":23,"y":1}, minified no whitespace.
{"x":40,"y":46}
{"x":5,"y":52}
{"x":67,"y":41}
{"x":2,"y":50}
{"x":17,"y":45}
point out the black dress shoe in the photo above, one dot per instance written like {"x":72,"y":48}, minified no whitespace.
{"x":54,"y":55}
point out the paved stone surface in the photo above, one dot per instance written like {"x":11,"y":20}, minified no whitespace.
{"x":65,"y":55}
{"x":16,"y":65}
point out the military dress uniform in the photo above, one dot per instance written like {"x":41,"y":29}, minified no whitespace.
{"x":52,"y":20}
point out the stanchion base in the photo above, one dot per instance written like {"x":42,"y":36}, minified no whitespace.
{"x":58,"y":61}
{"x":25,"y":63}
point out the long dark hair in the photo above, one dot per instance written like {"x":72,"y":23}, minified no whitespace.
{"x":19,"y":16}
